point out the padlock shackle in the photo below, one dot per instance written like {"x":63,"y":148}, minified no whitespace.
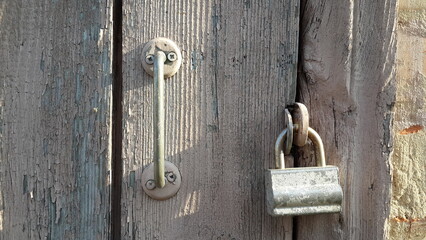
{"x":312,"y":135}
{"x":319,"y":147}
{"x":279,"y":153}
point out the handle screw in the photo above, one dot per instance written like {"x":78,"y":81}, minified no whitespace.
{"x":150,"y":184}
{"x":149,"y":59}
{"x":172,"y":56}
{"x":171,"y":177}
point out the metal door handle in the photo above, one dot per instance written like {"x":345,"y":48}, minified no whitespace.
{"x":162,"y":59}
{"x":158,"y":119}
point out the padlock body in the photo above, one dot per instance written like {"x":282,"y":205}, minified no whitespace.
{"x":303,"y":191}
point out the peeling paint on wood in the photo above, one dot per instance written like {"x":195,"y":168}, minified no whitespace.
{"x":55,"y":151}
{"x":224,"y":112}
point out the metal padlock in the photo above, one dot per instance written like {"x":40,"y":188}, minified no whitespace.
{"x":302,"y":191}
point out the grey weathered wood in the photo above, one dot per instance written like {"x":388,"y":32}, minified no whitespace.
{"x":347,"y":82}
{"x":55,"y":83}
{"x":224,"y":111}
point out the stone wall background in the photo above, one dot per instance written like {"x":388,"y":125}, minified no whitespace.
{"x":408,"y":202}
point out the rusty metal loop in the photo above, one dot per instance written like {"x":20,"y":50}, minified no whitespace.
{"x":301,"y":119}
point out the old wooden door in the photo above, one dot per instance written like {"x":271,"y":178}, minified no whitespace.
{"x":76,"y":115}
{"x":224,"y":110}
{"x":62,"y":138}
{"x":55,"y":116}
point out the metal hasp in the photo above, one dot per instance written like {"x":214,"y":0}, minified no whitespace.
{"x":302,"y":191}
{"x":160,"y":58}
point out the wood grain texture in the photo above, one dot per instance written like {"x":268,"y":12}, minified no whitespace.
{"x":55,"y":119}
{"x":224,"y":110}
{"x":347,"y":81}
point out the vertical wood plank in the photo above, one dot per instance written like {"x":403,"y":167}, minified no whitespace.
{"x":347,"y":81}
{"x":224,"y":111}
{"x":55,"y":119}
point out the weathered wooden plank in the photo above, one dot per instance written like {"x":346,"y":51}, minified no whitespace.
{"x":55,"y":119}
{"x":224,"y":111}
{"x":347,"y":82}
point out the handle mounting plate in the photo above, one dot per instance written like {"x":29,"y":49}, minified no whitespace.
{"x":173,"y":181}
{"x":173,"y":62}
